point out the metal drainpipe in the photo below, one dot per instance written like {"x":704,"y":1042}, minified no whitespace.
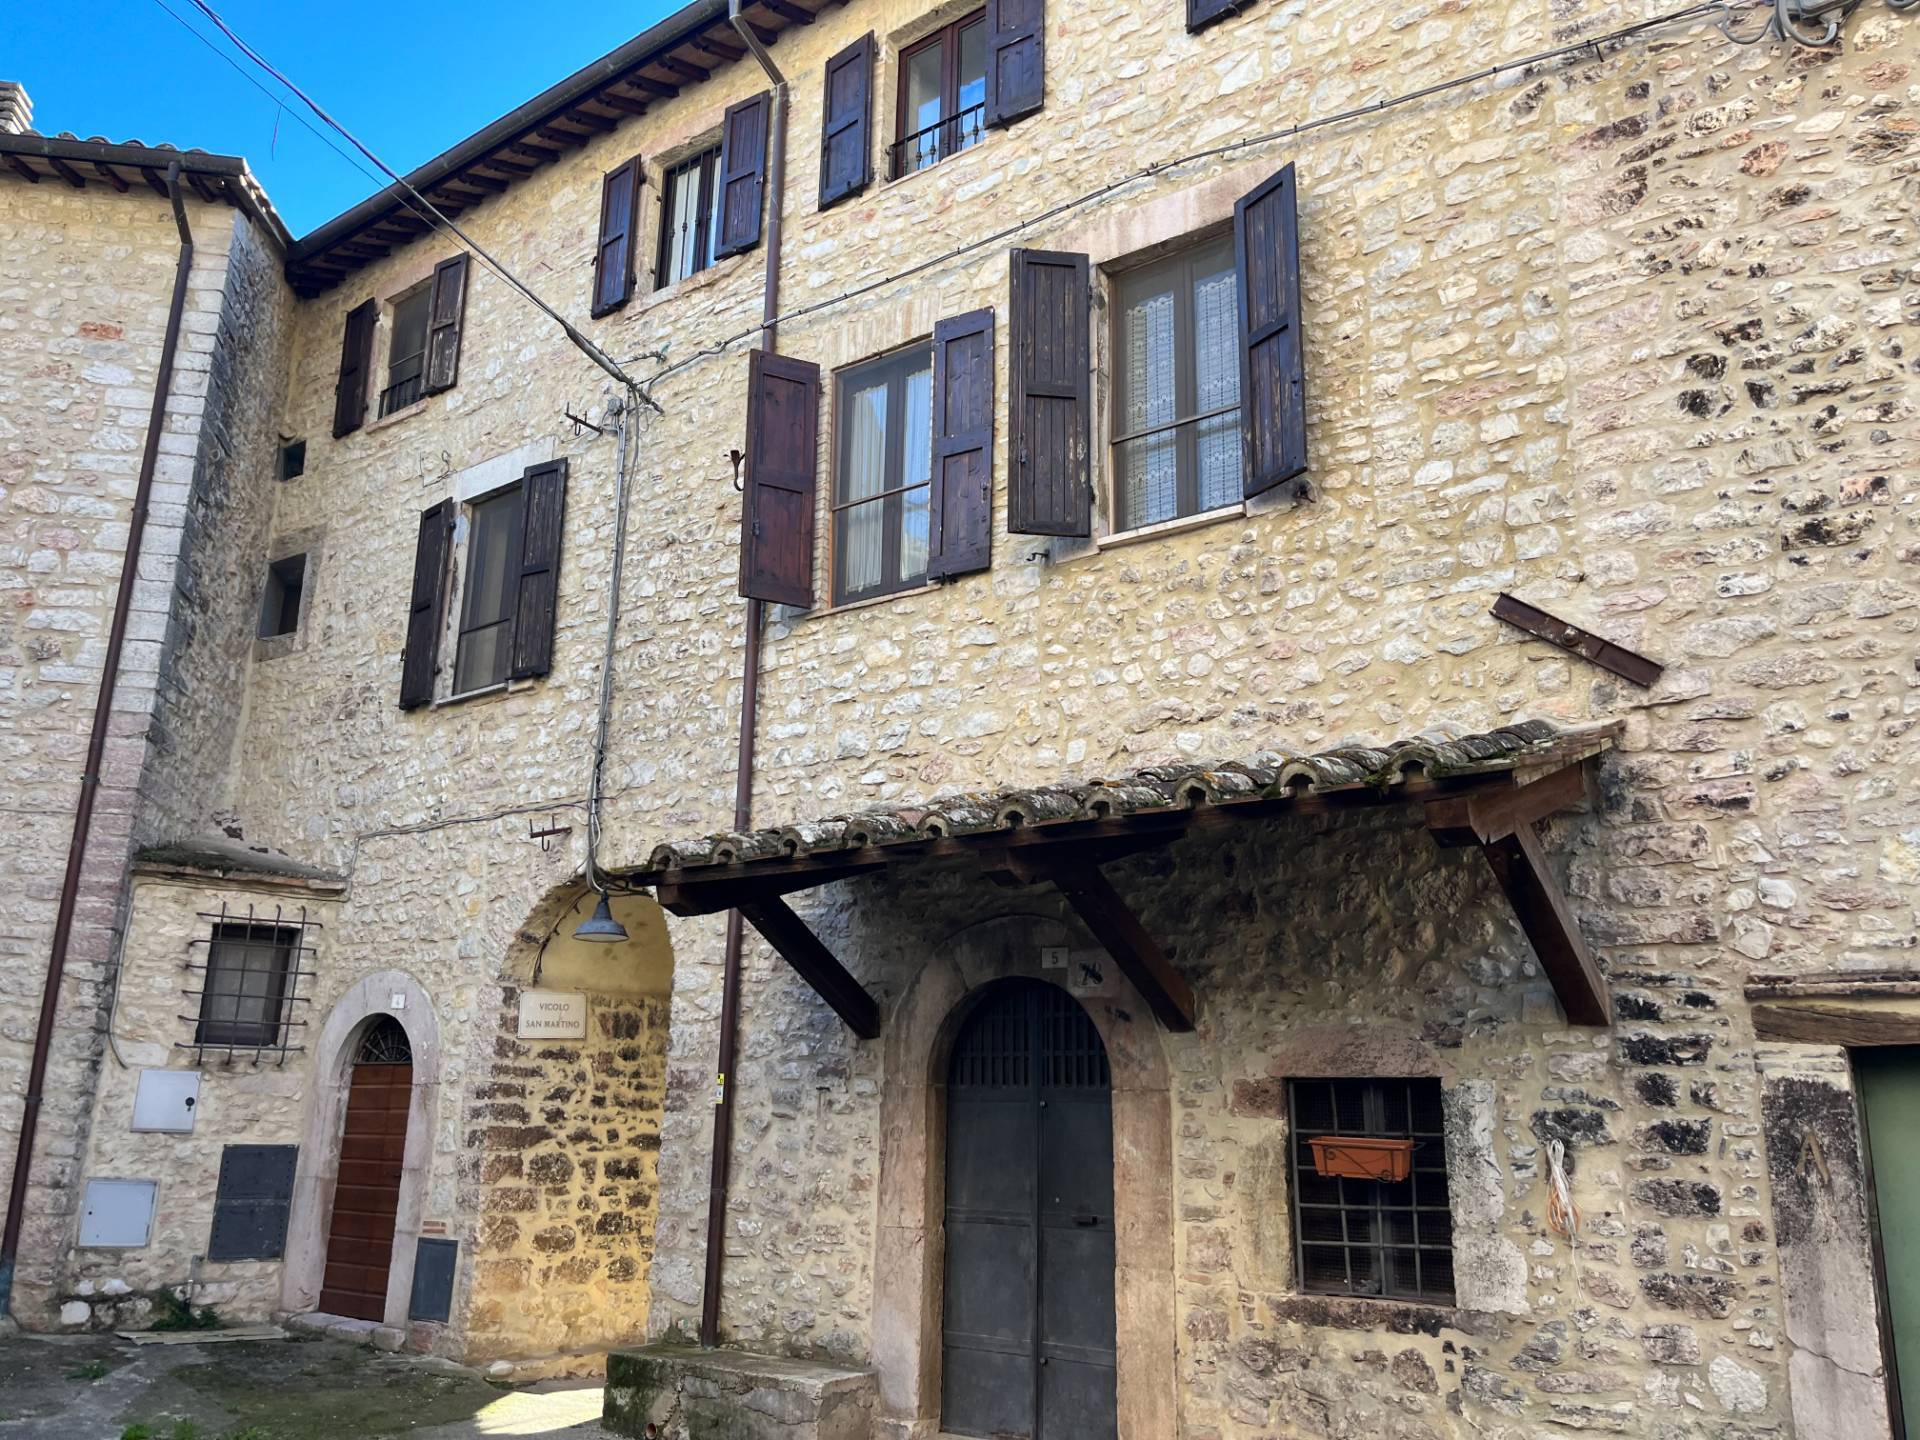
{"x":722,"y":1161}
{"x":96,"y":750}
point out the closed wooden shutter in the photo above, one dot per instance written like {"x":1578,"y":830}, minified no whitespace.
{"x":1016,"y":59}
{"x":613,"y":260}
{"x":743,"y":164}
{"x":1048,"y":486}
{"x":962,"y":500}
{"x":543,"y":502}
{"x":1202,"y":13}
{"x":776,"y":520}
{"x":846,"y":132}
{"x":1273,"y":393}
{"x":356,"y":359}
{"x":445,"y":312}
{"x":427,"y":611}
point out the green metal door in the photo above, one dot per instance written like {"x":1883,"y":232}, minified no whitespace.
{"x":1889,"y":1081}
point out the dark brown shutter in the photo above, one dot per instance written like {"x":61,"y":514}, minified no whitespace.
{"x":1048,"y":488}
{"x":776,"y":519}
{"x":962,"y":499}
{"x":846,"y":133}
{"x":445,"y":311}
{"x":356,"y":359}
{"x":1016,"y":59}
{"x":619,"y":222}
{"x":743,"y":164}
{"x":1202,"y":13}
{"x":427,"y":612}
{"x":1273,"y":391}
{"x":543,"y":506}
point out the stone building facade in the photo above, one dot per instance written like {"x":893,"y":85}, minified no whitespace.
{"x":1627,"y":334}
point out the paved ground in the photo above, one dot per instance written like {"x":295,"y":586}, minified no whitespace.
{"x":98,"y":1387}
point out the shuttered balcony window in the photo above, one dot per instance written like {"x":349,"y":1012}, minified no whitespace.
{"x":943,"y":95}
{"x":407,"y":354}
{"x":485,"y":650}
{"x":687,"y":219}
{"x":1176,"y":446}
{"x":883,"y":476}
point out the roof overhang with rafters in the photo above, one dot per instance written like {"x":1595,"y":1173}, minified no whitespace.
{"x":1485,"y":790}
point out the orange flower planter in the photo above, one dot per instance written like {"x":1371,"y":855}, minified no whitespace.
{"x":1362,"y":1157}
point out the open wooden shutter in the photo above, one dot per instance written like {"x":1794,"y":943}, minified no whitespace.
{"x":962,"y":500}
{"x":1202,"y":13}
{"x":1273,"y":393}
{"x":776,"y":519}
{"x":846,"y":133}
{"x":543,"y":506}
{"x":445,"y":311}
{"x":427,"y":612}
{"x":619,"y":222}
{"x":743,"y":164}
{"x":1016,"y":59}
{"x":1049,"y":490}
{"x":356,"y":359}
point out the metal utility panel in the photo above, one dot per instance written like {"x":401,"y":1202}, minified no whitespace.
{"x":433,"y":1270}
{"x":118,"y":1214}
{"x":165,"y":1100}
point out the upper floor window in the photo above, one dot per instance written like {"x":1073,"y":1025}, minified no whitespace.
{"x":1176,"y":387}
{"x":687,"y":221}
{"x":484,"y":649}
{"x":407,"y":350}
{"x":943,"y":95}
{"x":883,"y":475}
{"x":280,"y":604}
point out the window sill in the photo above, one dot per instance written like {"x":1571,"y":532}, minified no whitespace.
{"x":942,"y":166}
{"x":404,"y":412}
{"x":1369,"y":1312}
{"x":868,"y":602}
{"x":699,"y":280}
{"x":485,"y":692}
{"x":1178,"y":526}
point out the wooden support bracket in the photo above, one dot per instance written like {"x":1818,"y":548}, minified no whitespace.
{"x":787,"y":933}
{"x":1488,"y":815}
{"x":1119,"y":930}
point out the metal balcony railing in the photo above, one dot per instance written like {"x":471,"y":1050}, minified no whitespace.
{"x":934,"y":143}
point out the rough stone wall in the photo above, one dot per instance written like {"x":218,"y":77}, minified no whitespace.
{"x":85,"y":282}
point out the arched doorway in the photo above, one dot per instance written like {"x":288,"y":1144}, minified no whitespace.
{"x":366,"y":1192}
{"x":1028,"y":1303}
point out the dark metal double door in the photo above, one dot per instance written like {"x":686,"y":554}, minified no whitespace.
{"x":1028,"y":1303}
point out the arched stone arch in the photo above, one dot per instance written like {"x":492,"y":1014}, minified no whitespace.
{"x":908,"y":1265}
{"x":384,"y":992}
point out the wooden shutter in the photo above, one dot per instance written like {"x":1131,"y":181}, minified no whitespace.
{"x":961,"y":506}
{"x":427,"y":611}
{"x":776,"y":519}
{"x":1202,"y":13}
{"x":619,"y":223}
{"x":846,"y":133}
{"x":743,"y":164}
{"x":1273,"y":393}
{"x":1048,"y":487}
{"x":445,"y":311}
{"x":543,"y":506}
{"x":1016,"y":59}
{"x":356,"y":359}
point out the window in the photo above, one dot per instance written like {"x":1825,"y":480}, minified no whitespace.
{"x":1368,"y":1236}
{"x":245,"y":993}
{"x":293,"y":459}
{"x":492,"y":584}
{"x":943,"y":95}
{"x":407,"y":354}
{"x":882,"y":478}
{"x":686,"y":219}
{"x":280,"y":606}
{"x":1176,"y":388}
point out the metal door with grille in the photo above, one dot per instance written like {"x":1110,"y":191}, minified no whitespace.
{"x":366,"y":1196}
{"x":1028,"y":1338}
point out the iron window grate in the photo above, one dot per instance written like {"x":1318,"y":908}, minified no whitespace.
{"x":1379,"y":1238}
{"x":245,"y":983}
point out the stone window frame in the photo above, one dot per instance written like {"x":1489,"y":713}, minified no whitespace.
{"x":888,"y":92}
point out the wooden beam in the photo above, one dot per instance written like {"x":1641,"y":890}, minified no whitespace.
{"x":661,"y":88}
{"x":580,"y":115}
{"x":1521,"y":867}
{"x":67,"y":173}
{"x":154,"y":182}
{"x":788,"y":11}
{"x":624,"y":104}
{"x":1136,"y":952}
{"x":714,"y":43}
{"x":112,"y":176}
{"x":1808,"y":1022}
{"x":200,"y":187}
{"x":787,"y":933}
{"x":25,"y":171}
{"x":1489,"y":815}
{"x":695,"y":898}
{"x":684,"y":69}
{"x":1617,"y":659}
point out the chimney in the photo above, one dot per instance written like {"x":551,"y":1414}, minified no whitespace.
{"x":16,"y":109}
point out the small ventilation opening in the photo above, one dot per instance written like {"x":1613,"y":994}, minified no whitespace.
{"x":280,"y":605}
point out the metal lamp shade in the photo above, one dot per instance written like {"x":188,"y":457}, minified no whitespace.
{"x":601,"y":927}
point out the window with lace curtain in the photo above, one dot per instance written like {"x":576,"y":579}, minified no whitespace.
{"x":882,"y":475}
{"x":687,"y":219}
{"x":1176,"y":387}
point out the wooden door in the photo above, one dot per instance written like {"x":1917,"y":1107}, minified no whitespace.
{"x":366,"y":1196}
{"x":1028,"y":1338}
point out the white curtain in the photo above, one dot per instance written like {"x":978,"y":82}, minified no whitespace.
{"x":866,"y":475}
{"x":1149,"y":480}
{"x":1217,"y":384}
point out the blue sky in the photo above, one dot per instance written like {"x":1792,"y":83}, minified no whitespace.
{"x":409,"y":79}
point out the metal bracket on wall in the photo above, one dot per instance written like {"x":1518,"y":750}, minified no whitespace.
{"x":546,"y":834}
{"x":1570,"y":637}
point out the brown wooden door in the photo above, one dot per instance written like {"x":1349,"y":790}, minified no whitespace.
{"x":366,"y":1197}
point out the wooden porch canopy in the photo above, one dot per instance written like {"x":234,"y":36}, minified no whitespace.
{"x":1485,"y":790}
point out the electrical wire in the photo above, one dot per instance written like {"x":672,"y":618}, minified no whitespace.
{"x":1563,"y":1216}
{"x":1724,"y":8}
